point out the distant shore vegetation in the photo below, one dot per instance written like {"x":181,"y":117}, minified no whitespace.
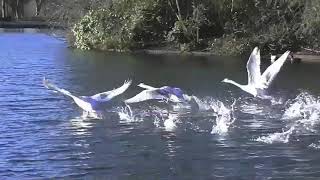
{"x":224,"y":27}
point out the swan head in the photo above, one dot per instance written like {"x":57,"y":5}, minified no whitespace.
{"x":141,"y":85}
{"x":226,"y":80}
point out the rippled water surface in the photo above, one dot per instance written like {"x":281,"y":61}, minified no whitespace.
{"x":225,"y":134}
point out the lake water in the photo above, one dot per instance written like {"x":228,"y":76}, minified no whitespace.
{"x":228,"y":135}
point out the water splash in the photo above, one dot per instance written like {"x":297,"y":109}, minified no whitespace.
{"x":157,"y":114}
{"x":157,"y":122}
{"x":126,"y":115}
{"x":170,"y":123}
{"x":276,"y":101}
{"x":282,"y":137}
{"x":303,"y":112}
{"x":314,"y":145}
{"x":181,"y":107}
{"x":92,"y":115}
{"x":224,"y":118}
{"x":204,"y":104}
{"x":210,"y":111}
{"x":302,"y":116}
{"x":302,"y":106}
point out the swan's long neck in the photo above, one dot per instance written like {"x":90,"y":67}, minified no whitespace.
{"x":234,"y":83}
{"x":142,"y":85}
{"x":249,"y":89}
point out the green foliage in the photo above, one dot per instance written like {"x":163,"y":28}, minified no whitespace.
{"x":125,"y":25}
{"x":230,"y":46}
{"x":187,"y":31}
{"x":273,"y":25}
{"x":311,"y":24}
{"x":223,"y":26}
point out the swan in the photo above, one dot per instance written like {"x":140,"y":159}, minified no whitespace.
{"x":258,"y":82}
{"x":91,"y":105}
{"x":166,"y":93}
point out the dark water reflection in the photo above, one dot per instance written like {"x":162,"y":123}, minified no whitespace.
{"x":42,"y":135}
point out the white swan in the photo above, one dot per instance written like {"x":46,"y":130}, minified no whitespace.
{"x":257,"y":82}
{"x":165,"y":93}
{"x":91,"y":105}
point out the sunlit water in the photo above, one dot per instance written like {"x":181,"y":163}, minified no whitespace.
{"x":223,"y":134}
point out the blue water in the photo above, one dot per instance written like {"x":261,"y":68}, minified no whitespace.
{"x":43,"y":136}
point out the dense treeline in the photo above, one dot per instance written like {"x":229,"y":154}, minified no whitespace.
{"x":228,"y":27}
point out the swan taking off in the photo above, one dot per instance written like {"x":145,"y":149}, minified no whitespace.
{"x":165,"y":93}
{"x":257,"y":82}
{"x":91,"y":105}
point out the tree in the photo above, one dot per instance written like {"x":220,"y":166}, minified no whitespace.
{"x":3,"y":9}
{"x":16,"y":6}
{"x":38,"y":6}
{"x":17,"y":14}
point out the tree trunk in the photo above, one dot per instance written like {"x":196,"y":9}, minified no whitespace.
{"x":21,"y":9}
{"x":17,"y":9}
{"x":179,"y":12}
{"x":37,"y":10}
{"x":38,"y":7}
{"x":3,"y":9}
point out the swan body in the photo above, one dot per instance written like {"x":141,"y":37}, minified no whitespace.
{"x":91,"y":105}
{"x":166,"y":93}
{"x":258,"y":82}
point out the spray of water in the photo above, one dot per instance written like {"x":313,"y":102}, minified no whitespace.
{"x":126,"y":115}
{"x":302,"y":106}
{"x":170,"y":122}
{"x":282,"y":137}
{"x":224,"y":118}
{"x":314,"y":145}
{"x":302,"y":116}
{"x":204,"y":104}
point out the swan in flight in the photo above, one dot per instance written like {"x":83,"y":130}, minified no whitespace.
{"x":91,"y":105}
{"x":165,"y":93}
{"x":258,"y":82}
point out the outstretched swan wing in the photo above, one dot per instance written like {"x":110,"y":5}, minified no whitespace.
{"x":253,"y":68}
{"x":86,"y":106}
{"x":271,"y":72}
{"x":106,"y":96}
{"x":52,"y":86}
{"x":145,"y":95}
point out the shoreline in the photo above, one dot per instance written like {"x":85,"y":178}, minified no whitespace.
{"x":306,"y":55}
{"x":173,"y":52}
{"x":30,"y":24}
{"x":301,"y":56}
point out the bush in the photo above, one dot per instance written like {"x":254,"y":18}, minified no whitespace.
{"x":230,"y":46}
{"x":235,"y":26}
{"x":125,"y":25}
{"x":311,"y":24}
